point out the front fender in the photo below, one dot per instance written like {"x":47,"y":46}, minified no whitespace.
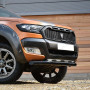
{"x":14,"y":41}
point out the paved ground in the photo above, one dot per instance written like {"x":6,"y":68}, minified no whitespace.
{"x":70,"y":82}
{"x":75,"y":76}
{"x":34,"y":85}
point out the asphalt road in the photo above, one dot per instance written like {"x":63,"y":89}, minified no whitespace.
{"x":34,"y":85}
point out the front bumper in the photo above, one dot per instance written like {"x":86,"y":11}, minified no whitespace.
{"x":49,"y":49}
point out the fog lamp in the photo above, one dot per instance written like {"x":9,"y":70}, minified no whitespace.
{"x":32,"y":50}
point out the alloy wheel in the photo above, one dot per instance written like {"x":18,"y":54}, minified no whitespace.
{"x":7,"y":63}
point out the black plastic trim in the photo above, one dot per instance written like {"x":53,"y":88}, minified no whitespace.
{"x":35,"y":42}
{"x":14,"y":41}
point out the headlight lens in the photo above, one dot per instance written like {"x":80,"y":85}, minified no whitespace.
{"x":29,"y":28}
{"x":32,"y":50}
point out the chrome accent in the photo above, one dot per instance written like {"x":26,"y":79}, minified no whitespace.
{"x":58,"y":60}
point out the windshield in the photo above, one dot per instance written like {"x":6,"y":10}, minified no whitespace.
{"x":6,"y":13}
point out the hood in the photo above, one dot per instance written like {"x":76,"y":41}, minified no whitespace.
{"x":27,"y":21}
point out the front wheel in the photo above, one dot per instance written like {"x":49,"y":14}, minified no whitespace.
{"x":49,"y":75}
{"x":10,"y":69}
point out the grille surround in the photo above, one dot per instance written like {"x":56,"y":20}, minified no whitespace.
{"x":54,"y":34}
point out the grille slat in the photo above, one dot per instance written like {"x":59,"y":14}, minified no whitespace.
{"x":55,"y":35}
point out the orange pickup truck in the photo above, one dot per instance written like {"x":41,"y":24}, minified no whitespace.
{"x":44,"y":49}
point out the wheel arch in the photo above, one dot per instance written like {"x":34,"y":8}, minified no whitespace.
{"x":12,"y":39}
{"x":4,"y":40}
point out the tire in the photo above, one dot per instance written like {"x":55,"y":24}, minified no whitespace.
{"x":41,"y":75}
{"x":10,"y":69}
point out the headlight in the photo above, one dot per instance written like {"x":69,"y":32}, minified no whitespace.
{"x":29,"y":28}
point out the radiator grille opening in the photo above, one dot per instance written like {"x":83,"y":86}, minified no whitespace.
{"x":60,"y":36}
{"x":61,"y":52}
